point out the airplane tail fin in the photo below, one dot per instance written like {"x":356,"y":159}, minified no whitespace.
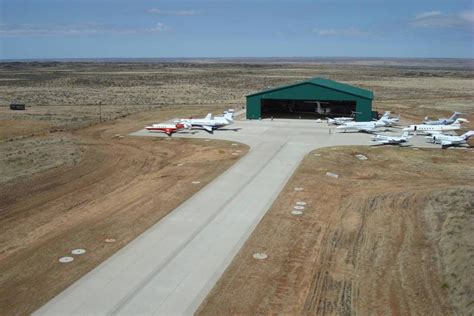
{"x":208,"y":116}
{"x":467,"y":135}
{"x":386,"y":115}
{"x":458,"y":121}
{"x":229,"y":116}
{"x":455,"y":115}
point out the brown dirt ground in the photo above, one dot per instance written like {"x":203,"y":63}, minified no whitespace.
{"x":60,"y":189}
{"x":119,"y":188}
{"x":393,"y":235}
{"x":70,"y":92}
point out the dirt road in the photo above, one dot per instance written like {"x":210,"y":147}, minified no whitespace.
{"x":391,"y":235}
{"x":121,"y":187}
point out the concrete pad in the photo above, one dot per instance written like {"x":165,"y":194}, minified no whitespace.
{"x":171,"y":267}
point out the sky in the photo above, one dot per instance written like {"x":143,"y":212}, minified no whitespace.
{"x":34,"y":29}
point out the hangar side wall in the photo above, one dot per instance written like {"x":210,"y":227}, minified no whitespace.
{"x":308,"y":91}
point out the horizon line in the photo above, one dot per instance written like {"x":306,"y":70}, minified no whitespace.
{"x":230,"y":58}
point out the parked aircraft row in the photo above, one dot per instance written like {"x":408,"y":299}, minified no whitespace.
{"x":208,"y":123}
{"x":433,"y":128}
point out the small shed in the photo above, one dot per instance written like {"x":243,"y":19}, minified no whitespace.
{"x":316,"y":97}
{"x":17,"y":106}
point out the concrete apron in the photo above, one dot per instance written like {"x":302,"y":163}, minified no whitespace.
{"x":171,"y":267}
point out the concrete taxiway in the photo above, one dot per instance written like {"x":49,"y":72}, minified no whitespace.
{"x":170,"y":268}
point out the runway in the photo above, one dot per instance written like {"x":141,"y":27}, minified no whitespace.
{"x":170,"y":268}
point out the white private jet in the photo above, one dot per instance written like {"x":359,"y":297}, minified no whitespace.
{"x":339,"y":120}
{"x":379,"y":139}
{"x":390,"y":120}
{"x":342,"y":119}
{"x":450,"y":140}
{"x":367,"y":127}
{"x":435,"y":129}
{"x":443,"y":121}
{"x":210,"y":123}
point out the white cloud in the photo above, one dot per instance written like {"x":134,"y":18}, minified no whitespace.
{"x":159,"y":27}
{"x":438,"y":19}
{"x":467,"y":16}
{"x":30,"y":30}
{"x":347,"y":32}
{"x":173,"y":12}
{"x":428,"y":14}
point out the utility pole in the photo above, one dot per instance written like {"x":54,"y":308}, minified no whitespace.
{"x":100,"y":112}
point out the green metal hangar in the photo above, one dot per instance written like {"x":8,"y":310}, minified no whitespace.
{"x":316,"y":97}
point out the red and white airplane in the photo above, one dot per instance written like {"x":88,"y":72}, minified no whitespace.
{"x":169,"y":129}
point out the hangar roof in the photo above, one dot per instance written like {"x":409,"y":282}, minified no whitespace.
{"x":330,"y":84}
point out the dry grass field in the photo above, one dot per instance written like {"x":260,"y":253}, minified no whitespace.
{"x":393,"y":235}
{"x":67,"y":181}
{"x":75,"y":190}
{"x":69,"y":94}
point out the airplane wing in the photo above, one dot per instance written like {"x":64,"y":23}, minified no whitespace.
{"x":433,"y":132}
{"x":380,"y":142}
{"x":208,"y":128}
{"x":367,"y":130}
{"x":208,"y":116}
{"x":446,"y":143}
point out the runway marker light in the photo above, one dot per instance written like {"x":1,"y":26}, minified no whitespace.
{"x":260,"y":256}
{"x":297,"y":213}
{"x":78,"y":251}
{"x":66,"y":259}
{"x":332,"y":175}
